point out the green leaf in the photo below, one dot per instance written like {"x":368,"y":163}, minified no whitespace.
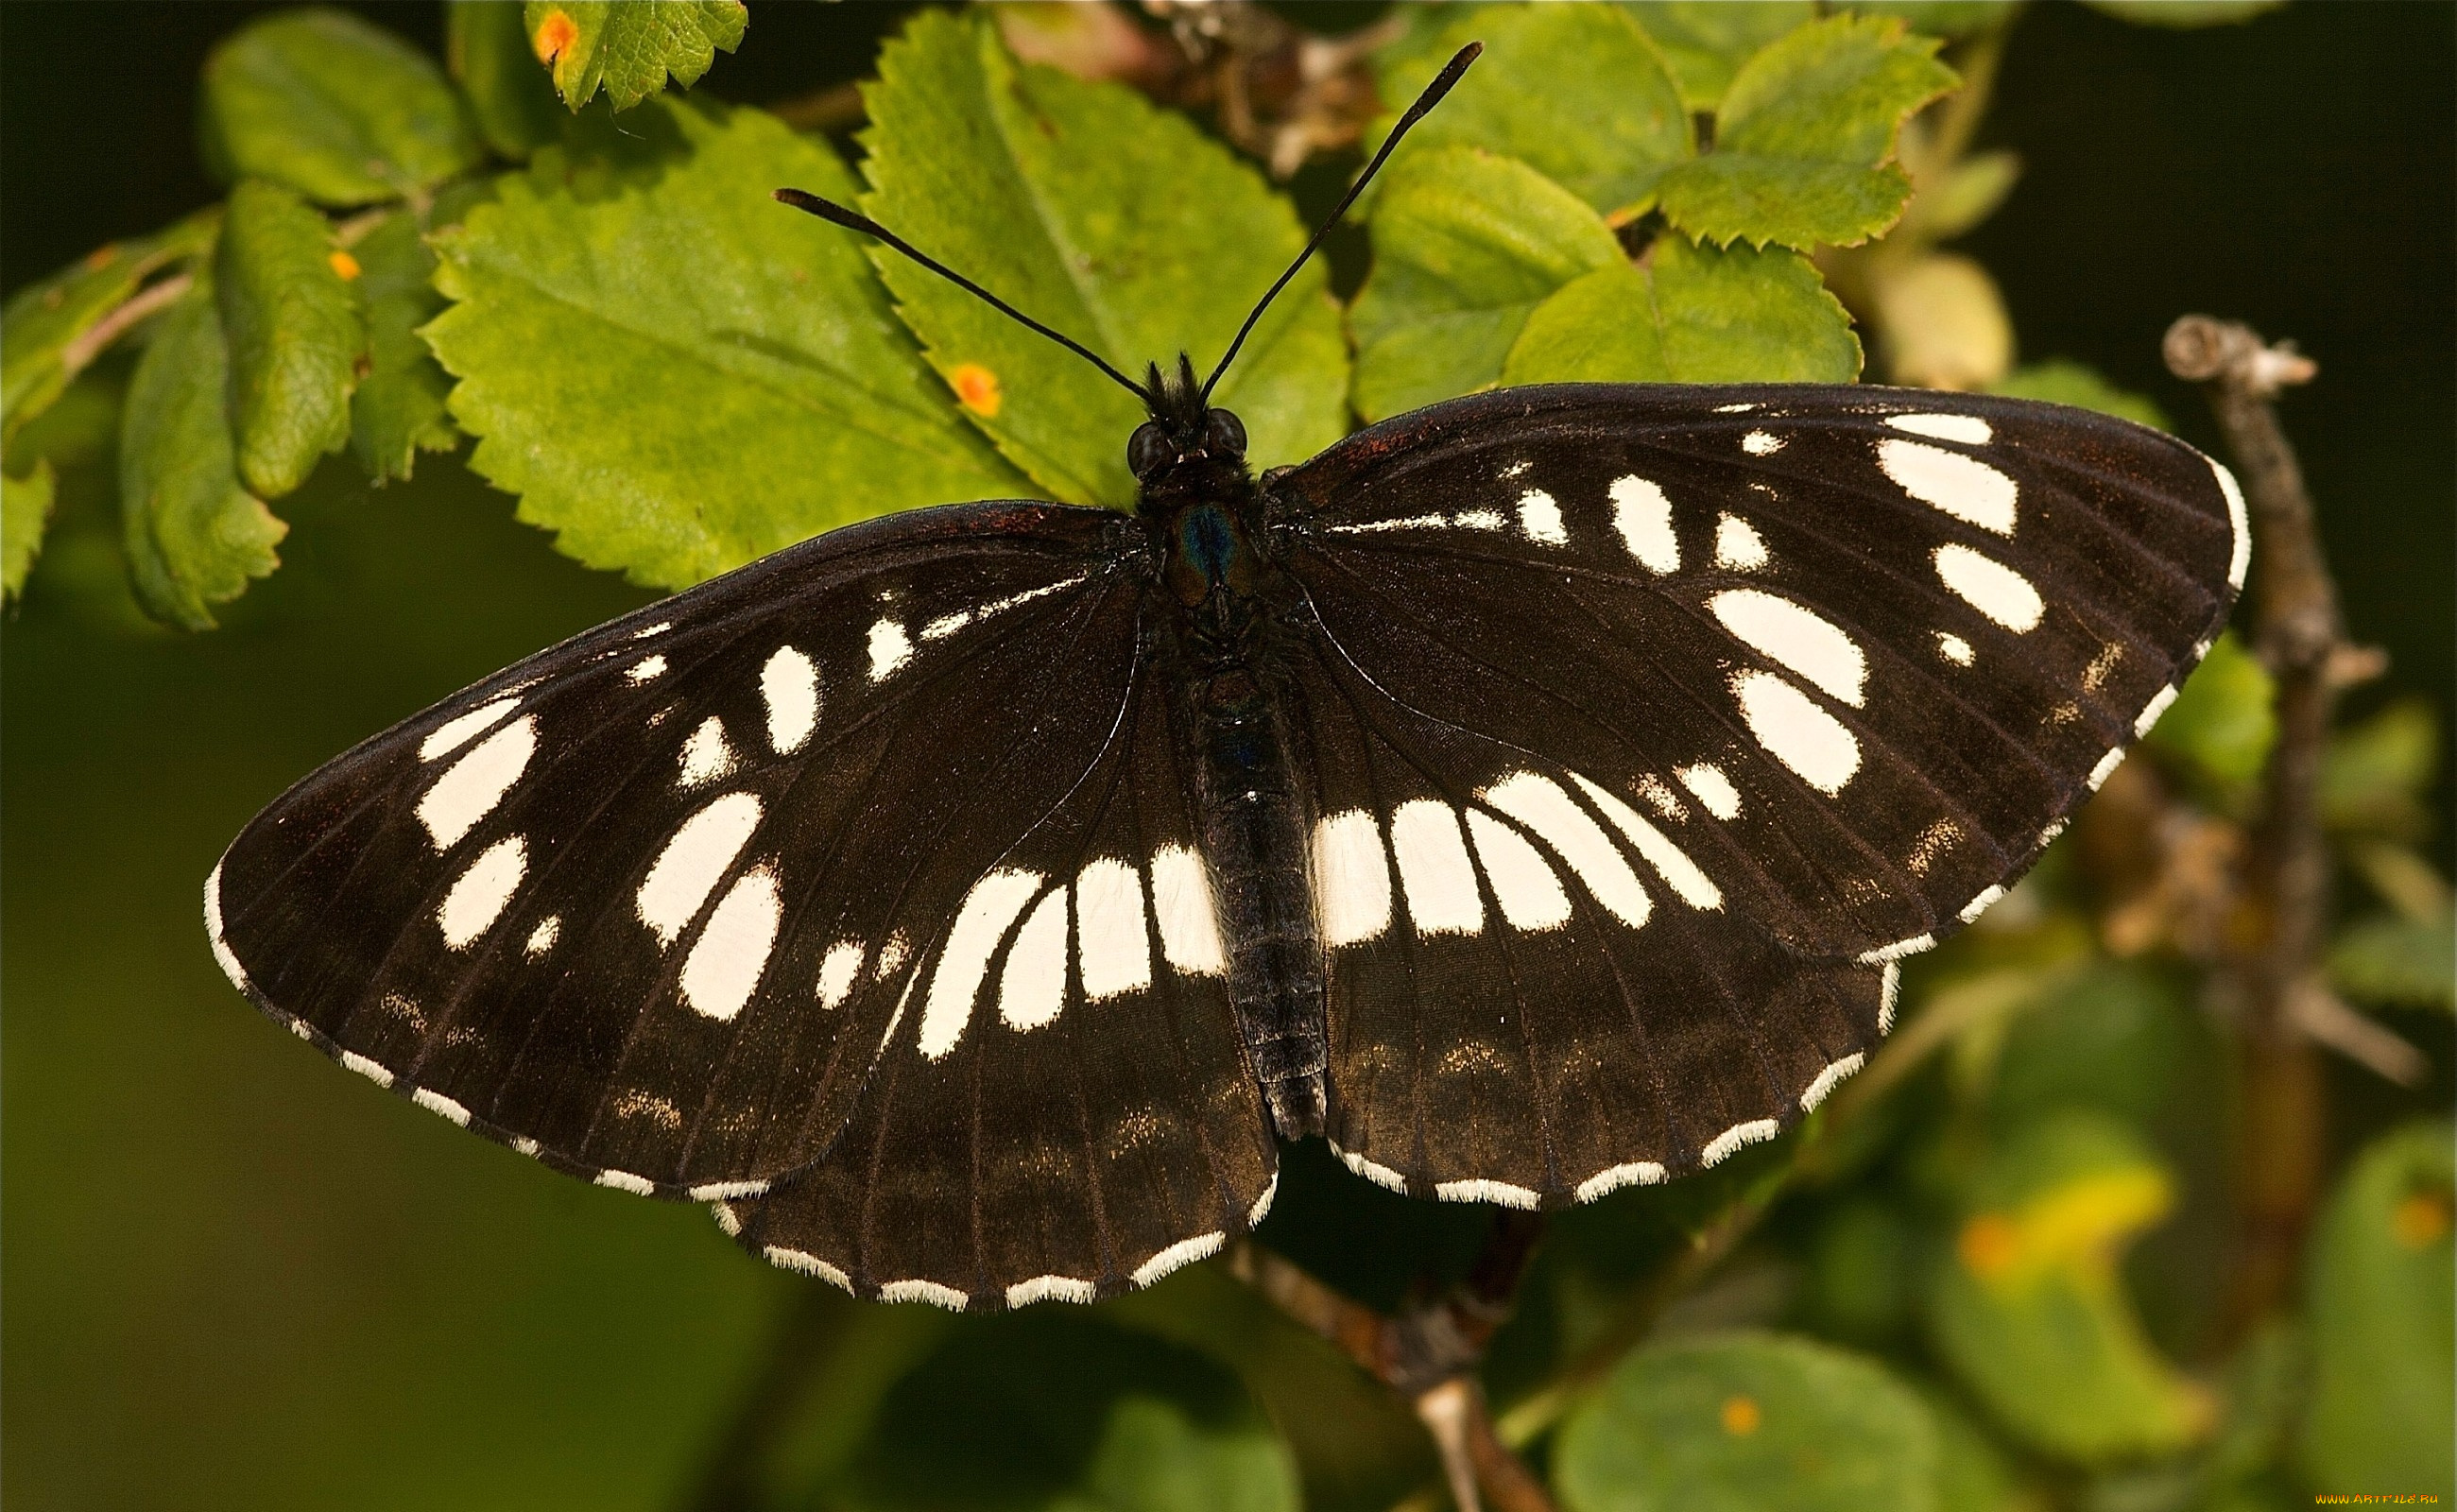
{"x":2028,"y":1308}
{"x":194,"y":535}
{"x":1943,"y":18}
{"x":25,"y":508}
{"x":1972,"y":1474}
{"x":2380,"y":1278}
{"x":2180,"y":14}
{"x":2068,"y":383}
{"x":629,"y":47}
{"x":1466,"y":245}
{"x":1971,"y":189}
{"x":399,"y":408}
{"x":337,"y":109}
{"x":679,"y":375}
{"x":2223,"y":722}
{"x":1576,"y":90}
{"x":2375,"y":774}
{"x":487,"y":50}
{"x":1153,"y":1458}
{"x":1744,"y":1422}
{"x":47,"y":334}
{"x":295,"y":335}
{"x":1704,"y":42}
{"x":1804,"y":139}
{"x":2394,"y":959}
{"x":1089,"y":208}
{"x":1689,"y":314}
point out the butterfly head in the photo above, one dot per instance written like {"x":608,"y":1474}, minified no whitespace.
{"x":1185,"y":434}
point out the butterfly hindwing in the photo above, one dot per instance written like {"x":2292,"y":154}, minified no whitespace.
{"x":644,"y":905}
{"x":1841,"y":659}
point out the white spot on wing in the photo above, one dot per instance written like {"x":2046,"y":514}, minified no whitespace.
{"x":1435,"y":871}
{"x":478,"y":897}
{"x":1898,"y":949}
{"x":647,"y":669}
{"x":1050,"y":1289}
{"x":1968,"y":429}
{"x":790,"y":686}
{"x":1539,"y":515}
{"x":1374,"y":1172}
{"x":470,"y":787}
{"x":658,"y":629}
{"x":1032,"y":989}
{"x":1990,"y":587}
{"x":892,"y":957}
{"x":1954,"y":647}
{"x":726,"y":1190}
{"x":724,"y":966}
{"x":223,"y":955}
{"x":1352,"y":878}
{"x":687,"y":870}
{"x":1965,"y":488}
{"x":448,"y":738}
{"x":1799,"y":638}
{"x":1737,"y":546}
{"x":1661,"y":797}
{"x":1827,"y":1080}
{"x":1263,"y":1204}
{"x":837,"y":970}
{"x":440,"y":1105}
{"x":1636,"y":1173}
{"x":353,"y":1061}
{"x":707,"y":755}
{"x":1706,"y":782}
{"x":1189,"y":925}
{"x":542,"y":938}
{"x":1177,"y":1256}
{"x":1986,"y":898}
{"x":1480,"y":520}
{"x":890,"y":649}
{"x":784,"y":1259}
{"x":2240,"y":555}
{"x":1761,"y":444}
{"x":1722,"y":1147}
{"x":727,"y":1222}
{"x":1111,"y":940}
{"x":2157,"y":706}
{"x":1643,"y":517}
{"x":988,"y":909}
{"x":624,"y":1181}
{"x":1694,"y":886}
{"x":1539,"y":803}
{"x":1796,"y":731}
{"x":1889,"y":993}
{"x":1501,"y":1194}
{"x":2106,"y":768}
{"x":1530,"y":895}
{"x":930,"y":1292}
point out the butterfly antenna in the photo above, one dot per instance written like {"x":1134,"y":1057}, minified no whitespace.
{"x":1425,"y":102}
{"x":828,"y":210}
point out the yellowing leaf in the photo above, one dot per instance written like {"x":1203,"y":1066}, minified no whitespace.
{"x":47,"y":332}
{"x":1706,"y":41}
{"x":629,"y":47}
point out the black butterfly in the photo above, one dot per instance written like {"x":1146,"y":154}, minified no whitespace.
{"x":1533,"y":794}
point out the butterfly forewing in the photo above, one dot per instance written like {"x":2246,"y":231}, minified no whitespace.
{"x":1747,"y":693}
{"x":645,"y":905}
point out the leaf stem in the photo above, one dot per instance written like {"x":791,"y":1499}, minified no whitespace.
{"x":79,"y":352}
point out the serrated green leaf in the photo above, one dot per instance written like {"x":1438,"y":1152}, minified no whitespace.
{"x":2180,"y":14}
{"x":1704,"y":42}
{"x":399,"y":409}
{"x":1968,"y":194}
{"x":1466,"y":245}
{"x":487,"y":48}
{"x":2375,"y":773}
{"x":46,"y":332}
{"x":1091,"y":209}
{"x":1577,"y":92}
{"x":25,"y":509}
{"x":629,"y":47}
{"x":2224,"y":722}
{"x":1803,"y":139}
{"x":679,"y":375}
{"x":334,"y":107}
{"x":1153,"y":1458}
{"x":194,"y":535}
{"x":1689,"y":314}
{"x":295,"y":332}
{"x":2068,"y":383}
{"x":2394,"y":959}
{"x":2381,"y":1277}
{"x":1747,"y":1421}
{"x":2029,"y":1309}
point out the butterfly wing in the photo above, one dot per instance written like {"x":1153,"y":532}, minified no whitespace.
{"x":1745,"y":693}
{"x":645,"y":905}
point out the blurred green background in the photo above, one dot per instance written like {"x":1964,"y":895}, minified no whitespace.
{"x":236,"y":1278}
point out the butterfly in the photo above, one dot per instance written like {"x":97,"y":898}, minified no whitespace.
{"x":1534,"y":794}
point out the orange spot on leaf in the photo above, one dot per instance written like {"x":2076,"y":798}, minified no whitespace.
{"x":344,"y":264}
{"x":556,"y":33}
{"x":1989,"y":1245}
{"x":102,"y":257}
{"x":1742,"y":1416}
{"x":2421,"y":1218}
{"x":976,"y":389}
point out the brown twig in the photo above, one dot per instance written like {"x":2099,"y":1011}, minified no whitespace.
{"x":91,"y":342}
{"x":2300,"y":635}
{"x":1428,"y":1353}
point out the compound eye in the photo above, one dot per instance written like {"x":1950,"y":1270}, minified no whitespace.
{"x":1224,"y":434}
{"x":1147,"y":451}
